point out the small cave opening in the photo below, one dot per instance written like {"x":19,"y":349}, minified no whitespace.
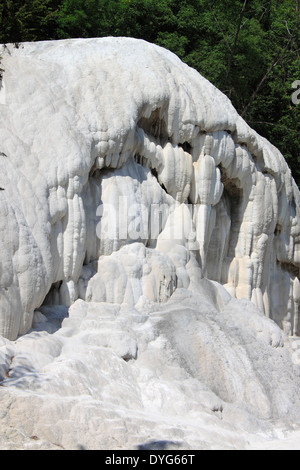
{"x":138,"y":159}
{"x":231,"y":185}
{"x":186,"y":146}
{"x":51,"y":313}
{"x":277,"y":230}
{"x":53,"y":296}
{"x":155,"y":126}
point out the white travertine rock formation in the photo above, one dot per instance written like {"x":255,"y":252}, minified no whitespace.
{"x":94,"y":122}
{"x":187,"y":374}
{"x":140,"y":221}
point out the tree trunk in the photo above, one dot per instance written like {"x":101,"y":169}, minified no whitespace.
{"x":233,"y":51}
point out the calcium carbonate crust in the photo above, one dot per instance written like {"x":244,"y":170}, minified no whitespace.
{"x":146,"y":234}
{"x":93,"y":122}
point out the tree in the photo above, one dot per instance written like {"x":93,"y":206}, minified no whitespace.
{"x":27,"y":20}
{"x":270,"y":109}
{"x":87,"y":18}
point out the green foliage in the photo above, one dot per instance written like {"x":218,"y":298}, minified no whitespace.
{"x":27,"y":20}
{"x":86,"y":18}
{"x":249,"y":49}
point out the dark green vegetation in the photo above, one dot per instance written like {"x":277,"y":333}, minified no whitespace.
{"x":249,"y":49}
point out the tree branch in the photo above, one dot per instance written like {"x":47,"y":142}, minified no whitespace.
{"x":274,"y":124}
{"x":233,"y":51}
{"x":220,"y":28}
{"x":274,"y":64}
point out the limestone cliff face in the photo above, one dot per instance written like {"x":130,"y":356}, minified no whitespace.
{"x":125,"y":174}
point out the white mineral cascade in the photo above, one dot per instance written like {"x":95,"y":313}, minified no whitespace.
{"x":149,"y":257}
